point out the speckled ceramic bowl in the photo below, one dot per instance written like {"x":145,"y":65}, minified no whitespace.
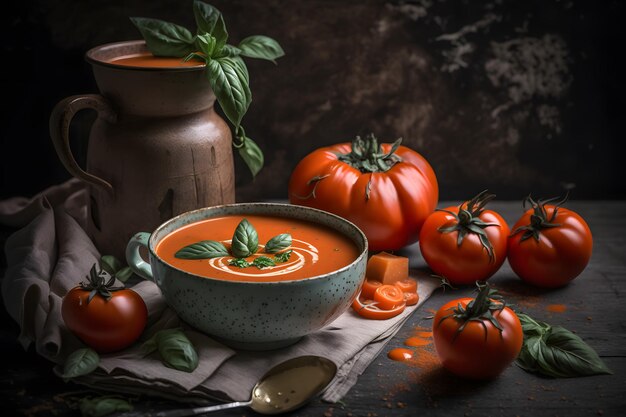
{"x":253,"y":315}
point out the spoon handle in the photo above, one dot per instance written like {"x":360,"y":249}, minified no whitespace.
{"x":187,"y":411}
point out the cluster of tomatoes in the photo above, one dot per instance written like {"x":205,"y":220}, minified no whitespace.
{"x":391,"y":192}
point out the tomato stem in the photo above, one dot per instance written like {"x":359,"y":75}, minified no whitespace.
{"x":479,"y":310}
{"x":367,"y":155}
{"x":539,"y":219}
{"x":468,"y":221}
{"x":99,"y":282}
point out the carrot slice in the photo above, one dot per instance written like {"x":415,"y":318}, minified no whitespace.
{"x":407,"y":285}
{"x":369,"y":287}
{"x":411,"y":298}
{"x":387,"y":297}
{"x":373,"y":312}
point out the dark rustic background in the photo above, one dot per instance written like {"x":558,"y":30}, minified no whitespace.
{"x":507,"y":95}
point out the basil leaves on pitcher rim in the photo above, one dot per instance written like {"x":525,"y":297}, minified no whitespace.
{"x":225,"y":69}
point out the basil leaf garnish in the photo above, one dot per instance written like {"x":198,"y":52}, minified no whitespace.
{"x":205,"y":249}
{"x":262,"y":47}
{"x":557,"y":352}
{"x":283,"y":256}
{"x":229,"y":80}
{"x":103,"y":406}
{"x":165,"y":38}
{"x":207,"y":44}
{"x":80,"y":362}
{"x":210,"y":20}
{"x":245,"y":240}
{"x":263,"y":262}
{"x":239,"y":262}
{"x":175,"y":349}
{"x":278,"y":243}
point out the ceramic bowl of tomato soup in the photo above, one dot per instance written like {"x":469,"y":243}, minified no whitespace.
{"x":243,"y":301}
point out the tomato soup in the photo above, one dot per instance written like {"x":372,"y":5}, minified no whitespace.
{"x":316,"y":249}
{"x":148,"y":60}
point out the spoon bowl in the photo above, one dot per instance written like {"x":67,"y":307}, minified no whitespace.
{"x":285,"y":387}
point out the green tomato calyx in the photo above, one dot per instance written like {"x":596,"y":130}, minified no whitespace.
{"x":367,"y":155}
{"x":99,"y":282}
{"x":539,"y":219}
{"x":479,"y":310}
{"x":467,"y":221}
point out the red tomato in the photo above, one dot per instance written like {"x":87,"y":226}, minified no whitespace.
{"x":465,"y":244}
{"x":550,"y":245}
{"x":469,"y":342}
{"x":387,"y":190}
{"x":106,"y":325}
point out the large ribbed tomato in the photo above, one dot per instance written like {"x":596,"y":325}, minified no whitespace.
{"x":550,"y":245}
{"x":387,"y":190}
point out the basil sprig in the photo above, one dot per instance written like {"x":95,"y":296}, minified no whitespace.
{"x":555,"y":351}
{"x":245,"y":242}
{"x":225,"y":69}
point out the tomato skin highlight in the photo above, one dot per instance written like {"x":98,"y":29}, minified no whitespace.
{"x":471,"y":355}
{"x":469,"y":262}
{"x":105,"y":325}
{"x":373,"y":312}
{"x":403,"y":196}
{"x":560,"y":254}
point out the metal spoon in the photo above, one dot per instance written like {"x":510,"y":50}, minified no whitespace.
{"x":283,"y":388}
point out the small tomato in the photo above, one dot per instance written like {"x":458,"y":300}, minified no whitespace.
{"x":477,"y":338}
{"x":465,"y":244}
{"x":550,"y":245}
{"x":104,"y":317}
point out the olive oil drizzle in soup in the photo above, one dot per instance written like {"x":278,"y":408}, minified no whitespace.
{"x":147,"y":60}
{"x":316,"y":249}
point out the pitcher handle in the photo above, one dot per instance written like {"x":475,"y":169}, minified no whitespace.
{"x":134,"y":259}
{"x":60,"y":120}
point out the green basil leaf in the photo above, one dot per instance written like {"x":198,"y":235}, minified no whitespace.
{"x":229,"y":50}
{"x":263,"y":262}
{"x":110,"y":264}
{"x":202,"y":250}
{"x":175,"y":349}
{"x":229,"y":80}
{"x":80,"y":362}
{"x":565,"y":355}
{"x":283,"y":256}
{"x":557,"y":352}
{"x":239,"y":262}
{"x":165,"y":38}
{"x":103,"y":406}
{"x":124,"y":274}
{"x":210,"y":20}
{"x":263,"y":47}
{"x":206,"y":43}
{"x":278,"y":243}
{"x":252,"y":155}
{"x":245,"y":240}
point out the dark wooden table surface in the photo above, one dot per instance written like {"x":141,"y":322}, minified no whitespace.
{"x":593,"y":310}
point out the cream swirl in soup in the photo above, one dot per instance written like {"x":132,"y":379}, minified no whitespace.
{"x":315,"y":249}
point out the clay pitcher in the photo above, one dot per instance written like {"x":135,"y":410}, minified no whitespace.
{"x":156,"y":149}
